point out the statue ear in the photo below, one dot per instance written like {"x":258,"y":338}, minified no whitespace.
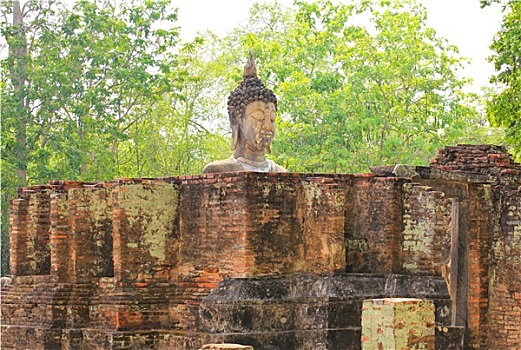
{"x":235,"y":127}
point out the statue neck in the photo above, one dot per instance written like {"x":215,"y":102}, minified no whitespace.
{"x":243,"y":151}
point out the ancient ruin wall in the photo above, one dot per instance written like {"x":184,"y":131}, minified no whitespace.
{"x":373,"y":237}
{"x":493,"y":181}
{"x":505,"y":278}
{"x":29,"y":224}
{"x":397,"y":226}
{"x":141,"y":254}
{"x":251,"y":225}
{"x":426,"y":236}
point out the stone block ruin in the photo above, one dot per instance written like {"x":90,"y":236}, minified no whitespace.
{"x":408,"y":256}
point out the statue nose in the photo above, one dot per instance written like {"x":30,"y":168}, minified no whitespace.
{"x":267,"y":124}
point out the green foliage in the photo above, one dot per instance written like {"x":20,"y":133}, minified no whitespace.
{"x":504,"y":106}
{"x":90,"y":72}
{"x":485,"y":3}
{"x":182,"y":133}
{"x":352,"y":96}
{"x":96,"y":90}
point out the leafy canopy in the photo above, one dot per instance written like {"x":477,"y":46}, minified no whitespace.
{"x":352,"y":95}
{"x":504,"y":106}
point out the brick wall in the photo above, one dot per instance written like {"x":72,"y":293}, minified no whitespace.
{"x":505,"y":290}
{"x":426,"y":238}
{"x":29,"y":232}
{"x":481,"y":225}
{"x":140,"y":254}
{"x":247,"y":225}
{"x":90,"y":225}
{"x":374,"y":224}
{"x":486,"y":159}
{"x":267,"y":223}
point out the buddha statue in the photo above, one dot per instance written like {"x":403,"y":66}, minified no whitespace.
{"x":252,"y":109}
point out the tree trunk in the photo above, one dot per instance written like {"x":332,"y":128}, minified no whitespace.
{"x":18,"y":53}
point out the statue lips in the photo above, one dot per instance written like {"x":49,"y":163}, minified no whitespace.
{"x":261,"y":142}
{"x":264,"y":139}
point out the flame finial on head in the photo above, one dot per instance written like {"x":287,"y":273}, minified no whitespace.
{"x":250,"y":89}
{"x":249,"y":69}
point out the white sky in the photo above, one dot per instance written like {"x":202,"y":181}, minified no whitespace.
{"x":462,"y":22}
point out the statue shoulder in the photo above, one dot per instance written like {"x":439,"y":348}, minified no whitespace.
{"x":222,"y":166}
{"x":274,"y":167}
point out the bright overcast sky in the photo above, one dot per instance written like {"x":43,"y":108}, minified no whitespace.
{"x":462,"y":22}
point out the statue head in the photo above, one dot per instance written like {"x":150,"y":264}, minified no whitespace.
{"x":252,"y":110}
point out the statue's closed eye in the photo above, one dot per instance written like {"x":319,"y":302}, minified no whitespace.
{"x":259,"y":115}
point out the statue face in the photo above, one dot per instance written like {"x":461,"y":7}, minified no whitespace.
{"x":257,"y":127}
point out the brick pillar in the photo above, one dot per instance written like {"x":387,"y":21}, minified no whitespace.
{"x":146,"y":245}
{"x":60,"y":237}
{"x":321,"y":207}
{"x":398,"y":323}
{"x":505,"y":287}
{"x":481,"y":228}
{"x":29,"y":233}
{"x":39,"y":229}
{"x":146,"y":248}
{"x":426,"y":235}
{"x":18,"y":237}
{"x":90,"y":222}
{"x":374,"y":239}
{"x":213,"y":237}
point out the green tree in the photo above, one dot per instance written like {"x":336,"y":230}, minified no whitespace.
{"x":183,"y":132}
{"x":504,"y":106}
{"x":90,"y":70}
{"x":352,"y":96}
{"x":15,"y":104}
{"x":75,"y":82}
